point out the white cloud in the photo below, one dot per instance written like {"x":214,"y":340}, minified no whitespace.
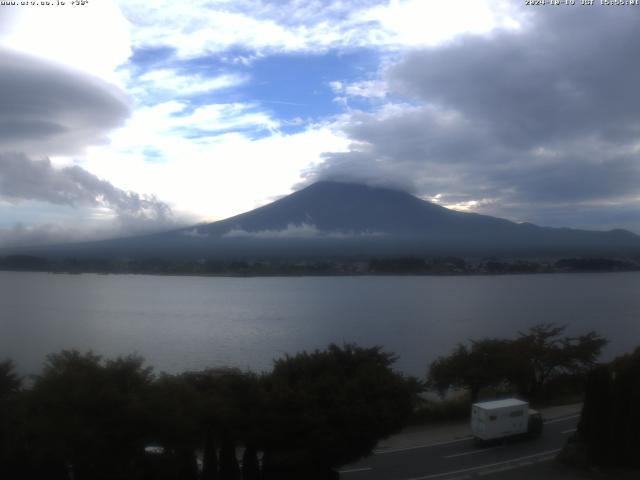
{"x":212,"y":176}
{"x":167,"y":80}
{"x":364,"y":88}
{"x":94,"y":37}
{"x":469,"y":205}
{"x":300,"y":231}
{"x":199,"y":27}
{"x":431,"y":22}
{"x":196,"y":27}
{"x":173,"y":131}
{"x":193,"y":232}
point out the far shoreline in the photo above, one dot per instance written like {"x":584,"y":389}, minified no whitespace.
{"x":322,"y":275}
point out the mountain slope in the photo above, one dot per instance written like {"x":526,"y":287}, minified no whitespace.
{"x":333,"y":206}
{"x":343,"y":219}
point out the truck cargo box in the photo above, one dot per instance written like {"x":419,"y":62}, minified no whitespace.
{"x":499,"y":419}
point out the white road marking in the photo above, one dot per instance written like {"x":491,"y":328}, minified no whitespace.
{"x":562,"y":419}
{"x":481,"y":467}
{"x":472,"y":452}
{"x":427,"y":445}
{"x":545,"y":459}
{"x":355,"y":470}
{"x":496,"y":470}
{"x":571,"y":430}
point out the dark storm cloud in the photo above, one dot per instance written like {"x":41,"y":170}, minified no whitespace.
{"x":24,"y":179}
{"x":538,"y":120}
{"x":48,"y":109}
{"x":399,"y":147}
{"x":572,"y":72}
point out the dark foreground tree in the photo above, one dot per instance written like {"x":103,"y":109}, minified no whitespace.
{"x":328,"y":408}
{"x":229,"y":416}
{"x":10,"y":381}
{"x":10,"y":384}
{"x":175,"y":408}
{"x":609,"y":428}
{"x":87,"y":417}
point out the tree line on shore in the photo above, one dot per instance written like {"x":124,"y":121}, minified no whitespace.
{"x":446,"y":265}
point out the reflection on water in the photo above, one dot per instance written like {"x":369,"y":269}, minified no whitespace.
{"x":180,"y":323}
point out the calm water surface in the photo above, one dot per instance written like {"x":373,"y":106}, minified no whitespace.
{"x":180,"y":323}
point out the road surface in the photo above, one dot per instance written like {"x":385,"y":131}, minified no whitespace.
{"x":462,"y":459}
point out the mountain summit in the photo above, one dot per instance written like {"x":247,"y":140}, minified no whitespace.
{"x":346,"y":208}
{"x":346,"y":219}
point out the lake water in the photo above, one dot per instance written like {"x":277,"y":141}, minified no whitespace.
{"x":180,"y":323}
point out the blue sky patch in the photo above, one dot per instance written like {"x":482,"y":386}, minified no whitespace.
{"x":147,"y":58}
{"x":293,"y":86}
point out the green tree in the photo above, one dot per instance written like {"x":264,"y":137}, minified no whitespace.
{"x":542,"y":353}
{"x":526,"y":363}
{"x":87,"y":416}
{"x":328,"y":408}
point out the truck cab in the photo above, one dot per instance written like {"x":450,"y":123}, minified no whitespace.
{"x":534,"y":427}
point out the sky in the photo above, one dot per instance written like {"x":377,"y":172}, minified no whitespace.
{"x":119,"y":117}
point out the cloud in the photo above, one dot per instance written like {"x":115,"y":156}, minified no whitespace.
{"x":548,"y":83}
{"x":158,"y":125}
{"x":53,"y":111}
{"x":48,"y":109}
{"x":93,"y":37}
{"x":194,"y":232}
{"x":170,"y":81}
{"x":24,"y":179}
{"x":47,"y":234}
{"x":297,"y":231}
{"x":212,"y":176}
{"x":362,"y":88}
{"x":532,"y":123}
{"x":203,"y":27}
{"x":431,"y":22}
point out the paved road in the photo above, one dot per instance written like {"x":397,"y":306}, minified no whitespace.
{"x":461,"y":459}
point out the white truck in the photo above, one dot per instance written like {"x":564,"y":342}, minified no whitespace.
{"x":503,"y":419}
